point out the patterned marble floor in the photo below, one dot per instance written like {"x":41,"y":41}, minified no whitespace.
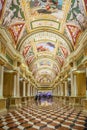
{"x":44,"y":117}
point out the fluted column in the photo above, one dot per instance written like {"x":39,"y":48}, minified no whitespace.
{"x":58,"y":90}
{"x":66,"y":88}
{"x":2,"y":99}
{"x":86,"y":81}
{"x":72,"y":84}
{"x":31,"y":90}
{"x":75,"y":86}
{"x":61,"y":89}
{"x":1,"y":80}
{"x":14,"y":86}
{"x":55,"y":91}
{"x":28,"y":89}
{"x":34,"y":91}
{"x":18,"y":85}
{"x":24,"y":88}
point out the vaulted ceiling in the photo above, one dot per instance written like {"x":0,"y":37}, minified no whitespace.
{"x":45,"y":32}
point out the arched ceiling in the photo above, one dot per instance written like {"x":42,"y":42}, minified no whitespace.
{"x":45,"y":32}
{"x":44,"y":52}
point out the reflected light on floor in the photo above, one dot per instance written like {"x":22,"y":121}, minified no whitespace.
{"x":45,"y":103}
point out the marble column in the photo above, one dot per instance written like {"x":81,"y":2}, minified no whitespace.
{"x":86,"y":81}
{"x":66,"y":88}
{"x":58,"y":90}
{"x":14,"y":86}
{"x":72,"y":84}
{"x":61,"y":89}
{"x":1,"y":80}
{"x":15,"y":100}
{"x":28,"y":89}
{"x":75,"y":86}
{"x":34,"y":91}
{"x":24,"y":88}
{"x":2,"y":99}
{"x":17,"y":83}
{"x":55,"y":92}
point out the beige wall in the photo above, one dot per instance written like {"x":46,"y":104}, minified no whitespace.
{"x":8,"y":84}
{"x":21,"y":88}
{"x":81,"y":84}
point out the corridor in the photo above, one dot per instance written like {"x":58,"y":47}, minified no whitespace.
{"x":54,"y":116}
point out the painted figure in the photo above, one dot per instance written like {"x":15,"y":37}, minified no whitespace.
{"x":8,"y":18}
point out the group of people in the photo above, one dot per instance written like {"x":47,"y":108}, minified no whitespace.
{"x":43,"y":96}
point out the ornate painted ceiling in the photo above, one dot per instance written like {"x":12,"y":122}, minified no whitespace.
{"x":45,"y":32}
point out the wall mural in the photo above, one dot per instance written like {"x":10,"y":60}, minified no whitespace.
{"x":13,"y":12}
{"x":76,"y":20}
{"x":60,"y":60}
{"x":13,"y":18}
{"x":46,"y":46}
{"x":2,"y":4}
{"x":28,"y":54}
{"x":61,"y":54}
{"x":64,"y":50}
{"x":85,"y":4}
{"x":53,"y":7}
{"x":55,"y":68}
{"x":74,"y":32}
{"x":44,"y":63}
{"x":46,"y":6}
{"x":34,"y":68}
{"x":77,"y":14}
{"x":16,"y":30}
{"x":30,"y":59}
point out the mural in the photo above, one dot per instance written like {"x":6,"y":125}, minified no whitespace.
{"x":60,"y":53}
{"x":74,"y":32}
{"x":85,"y":4}
{"x":60,"y":60}
{"x":44,"y":62}
{"x":30,"y":59}
{"x":13,"y":12}
{"x":2,"y":3}
{"x":63,"y":44}
{"x":77,"y":14}
{"x":64,"y":50}
{"x":46,"y":46}
{"x":46,"y":5}
{"x":55,"y":68}
{"x":28,"y":54}
{"x":53,"y":7}
{"x":34,"y":68}
{"x":16,"y":30}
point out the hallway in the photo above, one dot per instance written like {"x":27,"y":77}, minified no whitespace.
{"x":54,"y":116}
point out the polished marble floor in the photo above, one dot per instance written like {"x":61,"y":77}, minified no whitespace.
{"x":44,"y":116}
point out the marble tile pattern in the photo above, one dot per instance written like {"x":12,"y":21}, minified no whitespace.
{"x":37,"y":117}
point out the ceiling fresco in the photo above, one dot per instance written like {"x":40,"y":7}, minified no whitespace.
{"x":45,"y":32}
{"x":46,"y":46}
